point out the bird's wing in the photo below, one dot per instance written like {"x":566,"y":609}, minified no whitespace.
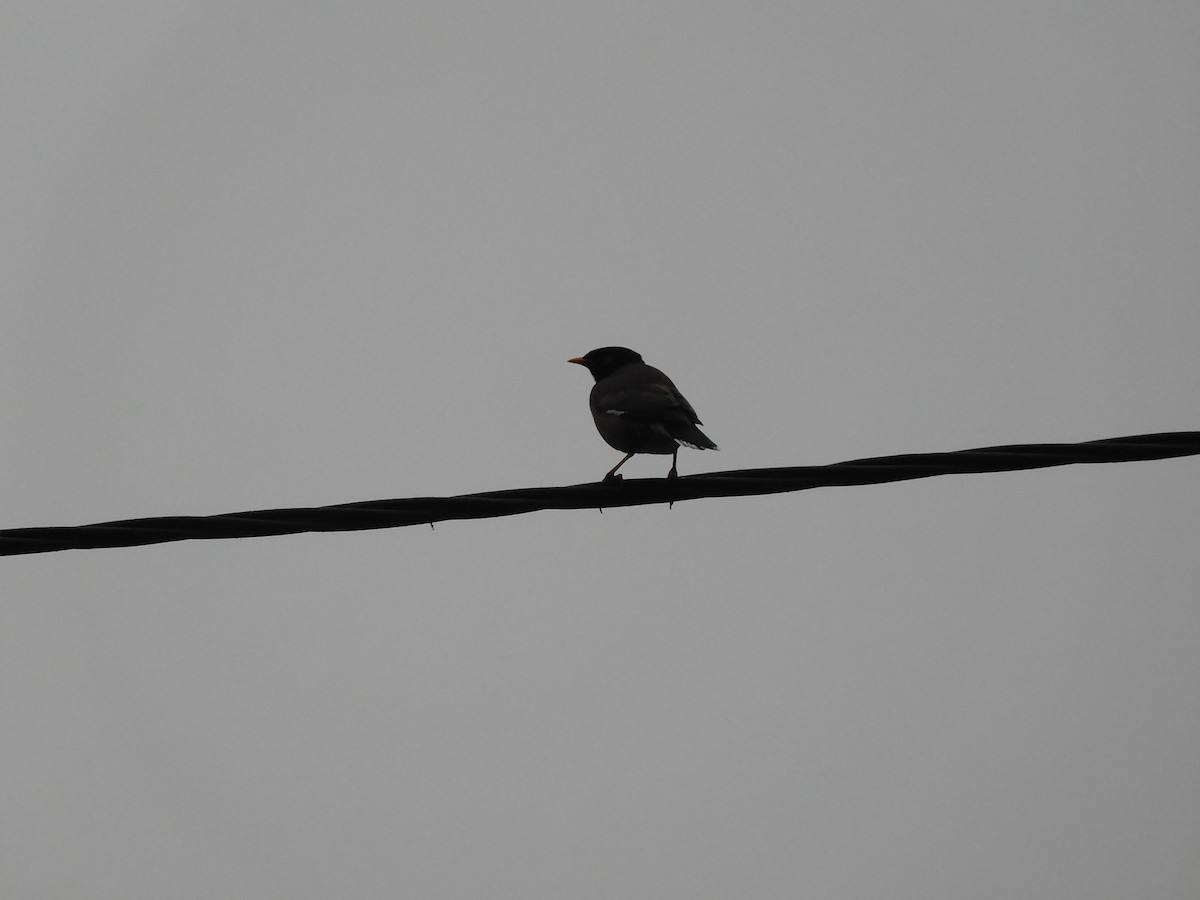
{"x":642,"y":392}
{"x":646,"y":397}
{"x":648,"y":402}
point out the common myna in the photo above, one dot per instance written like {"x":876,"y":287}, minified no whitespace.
{"x":638,"y":409}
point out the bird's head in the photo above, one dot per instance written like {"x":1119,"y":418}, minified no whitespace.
{"x":606,"y":360}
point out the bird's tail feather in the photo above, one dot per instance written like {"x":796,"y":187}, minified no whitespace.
{"x":693,"y":437}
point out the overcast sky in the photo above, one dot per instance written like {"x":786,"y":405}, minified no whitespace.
{"x":275,"y":254}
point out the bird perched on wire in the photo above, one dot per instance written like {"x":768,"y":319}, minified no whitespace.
{"x":637,"y":409}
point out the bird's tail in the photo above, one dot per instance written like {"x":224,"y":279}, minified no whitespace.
{"x":691,"y":436}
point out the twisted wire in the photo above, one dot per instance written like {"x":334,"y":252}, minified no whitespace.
{"x":739,"y":483}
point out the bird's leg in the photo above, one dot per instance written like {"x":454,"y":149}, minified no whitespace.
{"x":672,"y":475}
{"x":612,"y":473}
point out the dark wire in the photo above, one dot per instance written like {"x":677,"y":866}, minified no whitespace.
{"x":747,"y":482}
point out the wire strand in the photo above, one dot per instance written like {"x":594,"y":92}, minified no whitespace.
{"x":598,"y":495}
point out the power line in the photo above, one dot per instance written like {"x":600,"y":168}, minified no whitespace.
{"x":742,"y":483}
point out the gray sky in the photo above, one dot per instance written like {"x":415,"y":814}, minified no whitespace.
{"x":278,"y":254}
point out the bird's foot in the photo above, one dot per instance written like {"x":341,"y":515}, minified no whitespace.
{"x":612,"y":478}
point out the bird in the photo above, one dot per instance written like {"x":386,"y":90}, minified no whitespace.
{"x":638,"y":409}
